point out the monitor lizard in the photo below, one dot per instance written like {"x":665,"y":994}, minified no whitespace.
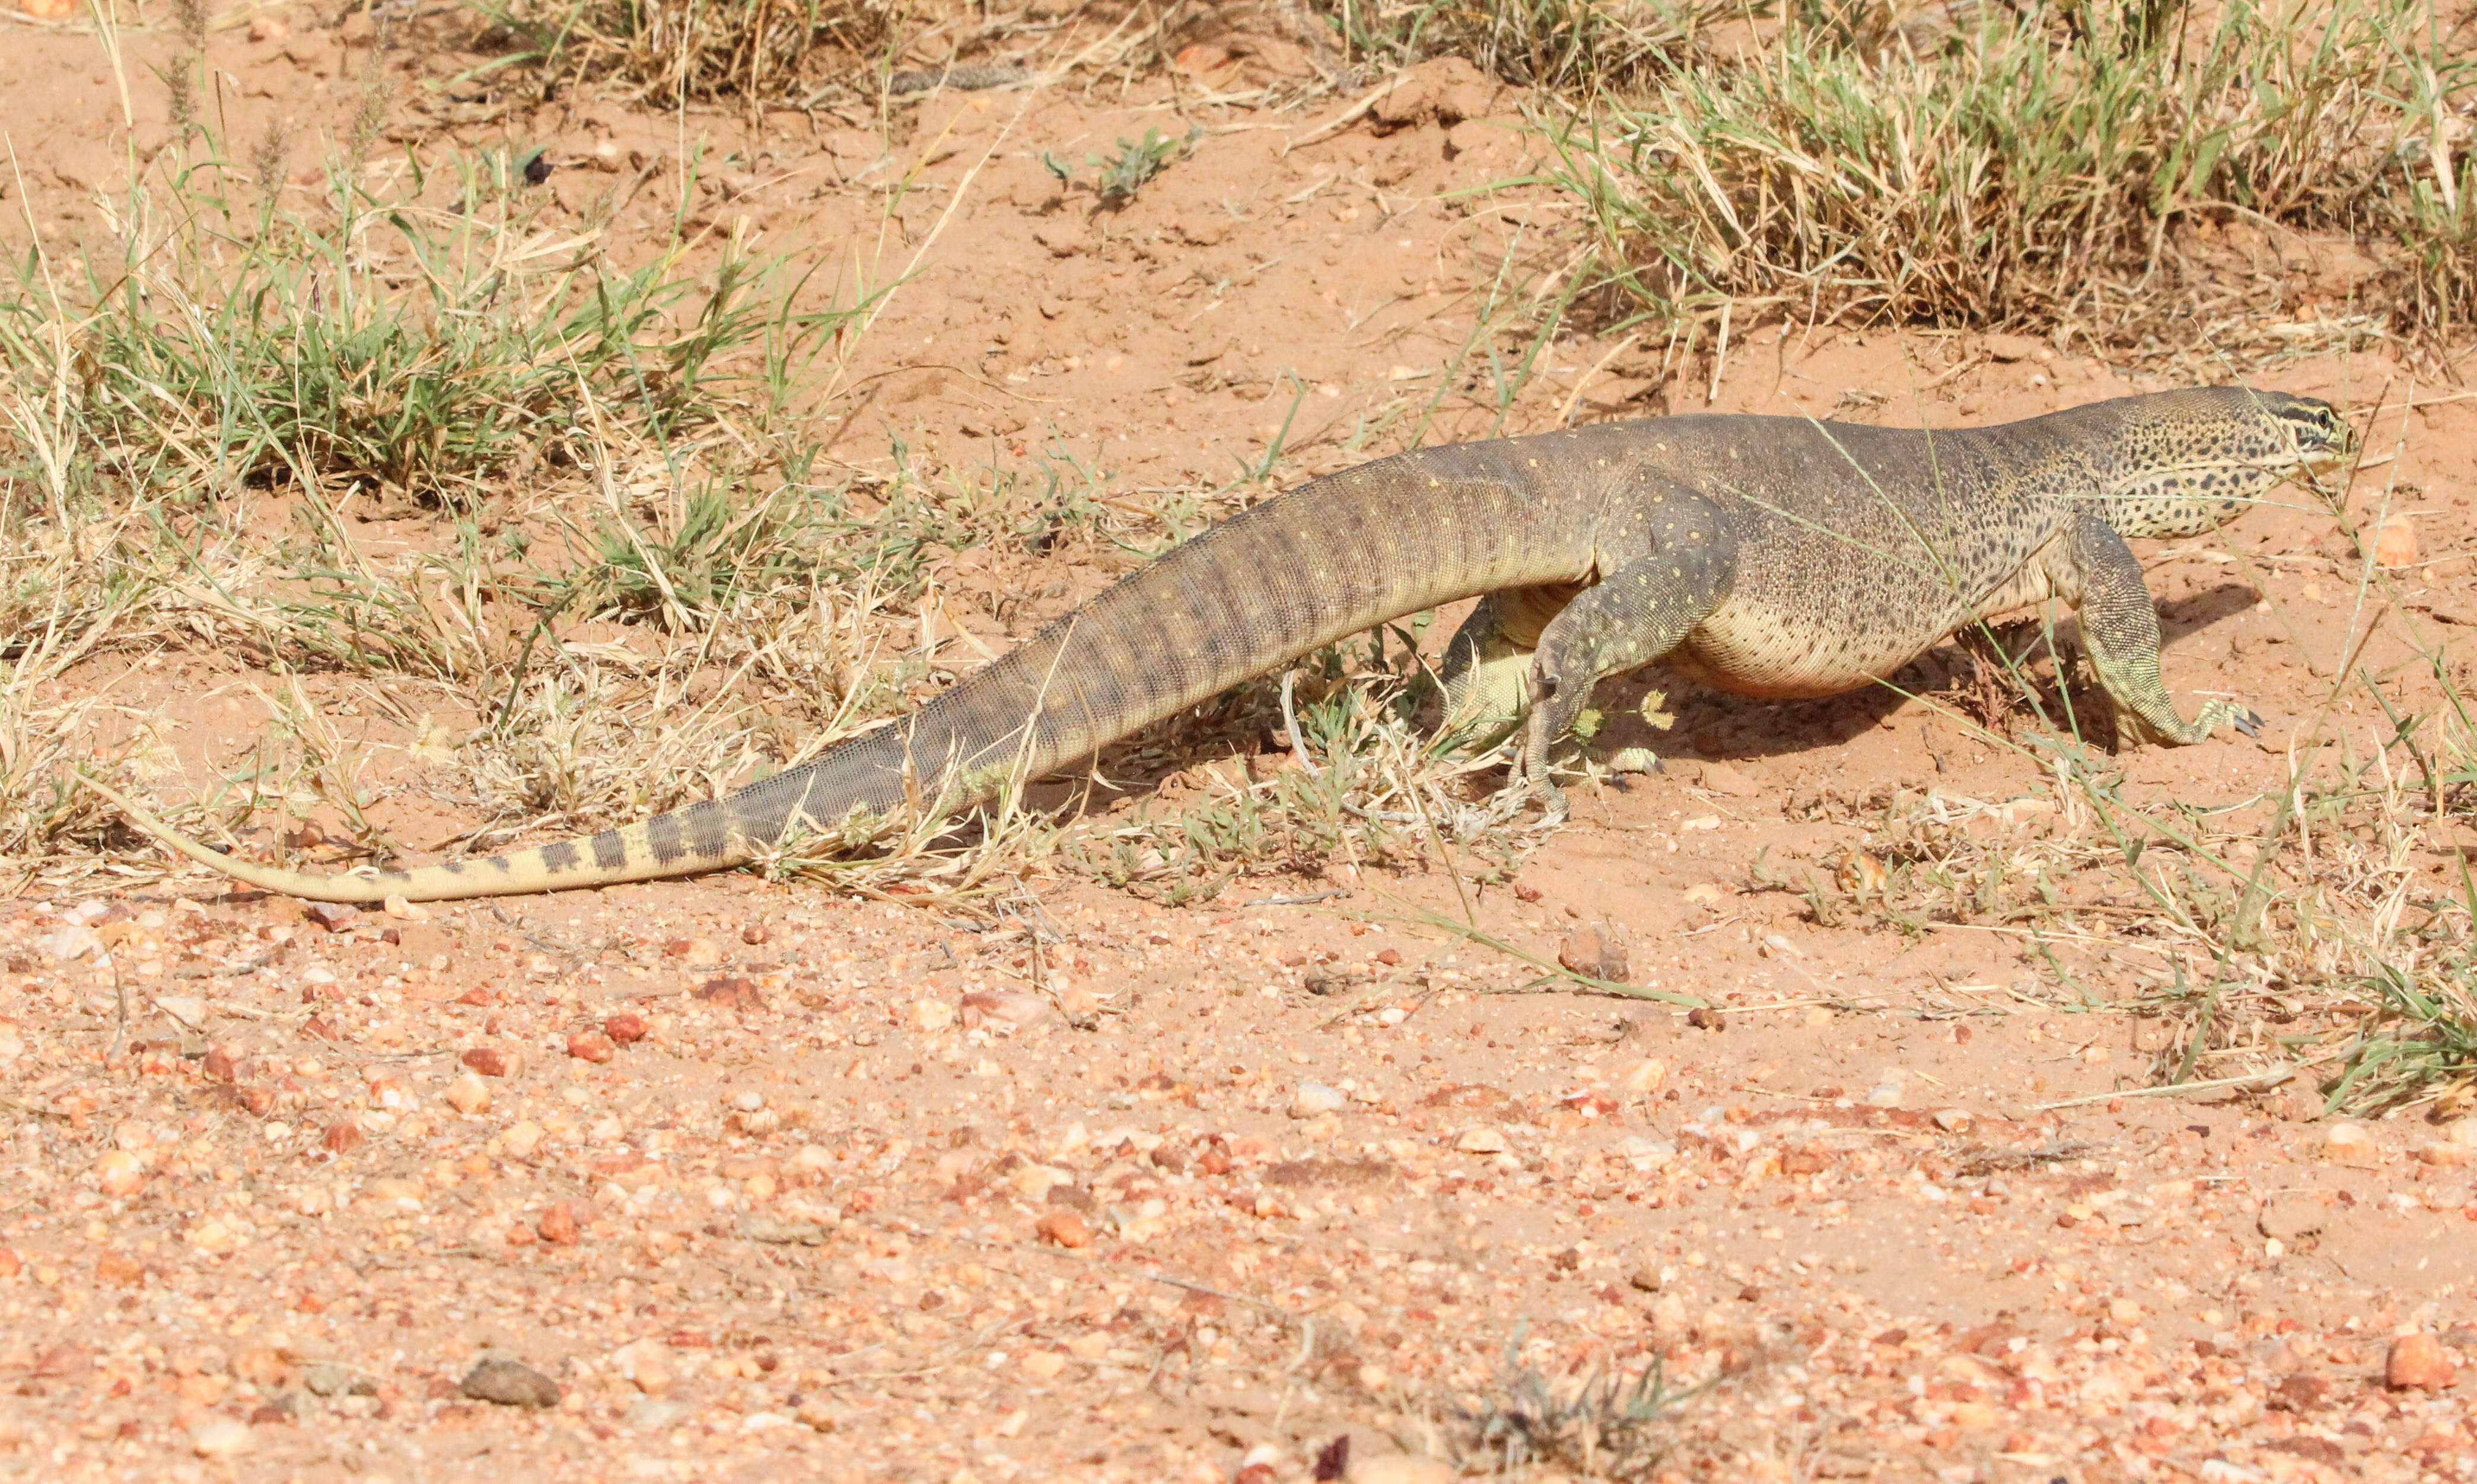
{"x":1773,"y":557}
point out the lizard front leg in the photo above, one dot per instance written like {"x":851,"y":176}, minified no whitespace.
{"x":1642,"y":611}
{"x":2102,"y":580}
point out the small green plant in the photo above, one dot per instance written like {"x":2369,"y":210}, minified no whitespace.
{"x":1600,"y":1427}
{"x":1119,"y":177}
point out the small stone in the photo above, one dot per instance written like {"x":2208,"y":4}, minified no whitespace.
{"x":1953,"y":1120}
{"x":342,"y":1137}
{"x":1064,"y":1228}
{"x":1594,"y":951}
{"x":2417,"y":1363}
{"x":818,"y":1412}
{"x":1644,"y":1277}
{"x":2350,"y":1143}
{"x":521,"y":1138}
{"x":510,"y":1383}
{"x":696,"y":952}
{"x":731,"y":992}
{"x":2448,"y":1154}
{"x":933,"y":1014}
{"x":118,"y":1270}
{"x":1886,"y":1093}
{"x":260,"y":1365}
{"x":327,"y":1378}
{"x":221,"y":1063}
{"x":402,"y":909}
{"x":468,"y":1094}
{"x":625,"y":1028}
{"x":11,"y":1263}
{"x":1647,"y":1075}
{"x":592,"y":1047}
{"x":558,"y":1225}
{"x":755,"y":934}
{"x":221,"y":1437}
{"x":2462,"y":1131}
{"x":2124,"y":1311}
{"x":1042,"y":1365}
{"x":1482,"y":1140}
{"x":653,"y":1374}
{"x":2396,"y":543}
{"x":120,"y":1172}
{"x":1315,"y":1099}
{"x":490,"y":1061}
{"x":334,"y":916}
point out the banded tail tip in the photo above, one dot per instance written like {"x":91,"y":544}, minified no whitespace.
{"x":307,"y":885}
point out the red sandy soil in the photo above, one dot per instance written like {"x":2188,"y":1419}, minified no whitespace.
{"x":765,"y":1182}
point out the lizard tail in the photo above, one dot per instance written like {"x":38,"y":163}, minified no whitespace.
{"x":1326,"y":560}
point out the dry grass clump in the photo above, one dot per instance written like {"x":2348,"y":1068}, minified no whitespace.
{"x":1576,"y":47}
{"x":2305,"y":929}
{"x":670,"y":51}
{"x":2039,"y":171}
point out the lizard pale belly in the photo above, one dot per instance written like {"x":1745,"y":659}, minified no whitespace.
{"x":1769,"y":650}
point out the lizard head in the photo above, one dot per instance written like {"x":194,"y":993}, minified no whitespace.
{"x":2189,"y":461}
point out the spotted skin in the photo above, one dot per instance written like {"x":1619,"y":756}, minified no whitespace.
{"x":1766,"y":556}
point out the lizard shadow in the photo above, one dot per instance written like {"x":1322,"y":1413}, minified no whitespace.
{"x":1955,"y":677}
{"x":1238,"y":735}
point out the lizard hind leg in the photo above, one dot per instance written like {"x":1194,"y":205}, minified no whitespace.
{"x":1487,"y":667}
{"x":1640,"y":611}
{"x":2121,"y":632}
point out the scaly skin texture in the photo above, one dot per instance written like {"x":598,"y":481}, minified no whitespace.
{"x":1767,"y":556}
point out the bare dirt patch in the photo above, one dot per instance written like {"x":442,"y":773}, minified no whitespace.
{"x":991,"y":1169}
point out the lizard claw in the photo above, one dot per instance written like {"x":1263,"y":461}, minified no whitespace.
{"x":2247,"y":722}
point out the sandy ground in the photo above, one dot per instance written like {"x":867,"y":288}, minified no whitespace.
{"x":755,"y":1181}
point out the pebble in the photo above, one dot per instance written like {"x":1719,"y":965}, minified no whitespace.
{"x":1065,"y":1229}
{"x":1042,"y":1365}
{"x":731,"y":992}
{"x":933,"y":1015}
{"x":402,"y":909}
{"x":625,"y":1030}
{"x":468,"y":1094}
{"x":1315,"y":1099}
{"x":120,"y":1172}
{"x":1594,"y":951}
{"x":334,"y":916}
{"x":222,"y":1438}
{"x":558,"y":1225}
{"x":2417,"y":1363}
{"x":1647,"y":1075}
{"x":2349,"y":1143}
{"x":510,"y":1383}
{"x":696,"y":952}
{"x":1886,"y":1093}
{"x":592,"y":1047}
{"x":658,"y":1416}
{"x":490,"y":1061}
{"x":1481,"y":1141}
{"x":327,"y":1378}
{"x":2396,"y":543}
